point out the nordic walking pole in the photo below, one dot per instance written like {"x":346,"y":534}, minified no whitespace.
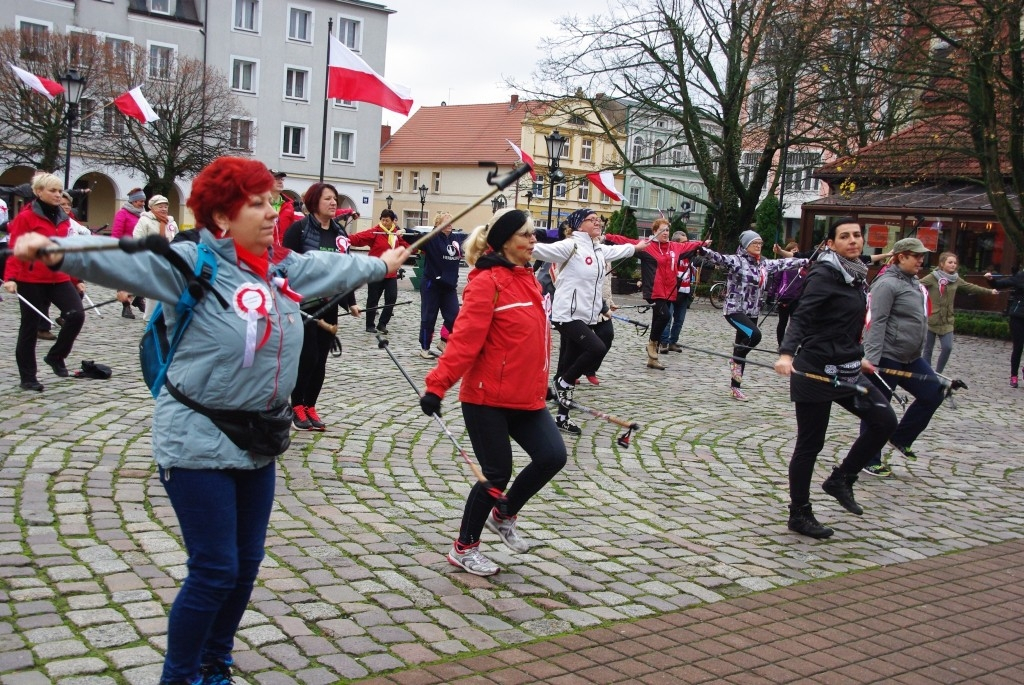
{"x":88,"y":300}
{"x":630,"y":426}
{"x":151,"y":243}
{"x":97,"y":306}
{"x":493,"y":491}
{"x":33,"y":308}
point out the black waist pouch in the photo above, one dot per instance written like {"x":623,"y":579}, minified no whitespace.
{"x":266,"y":433}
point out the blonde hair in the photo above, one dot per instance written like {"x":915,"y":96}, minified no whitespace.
{"x":946,"y":255}
{"x":476,"y":244}
{"x":45,"y":180}
{"x":439,"y":218}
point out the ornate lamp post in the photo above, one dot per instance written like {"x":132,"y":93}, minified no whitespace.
{"x":423,"y":201}
{"x":556,"y":144}
{"x":499,"y":202}
{"x":73,"y":87}
{"x":389,"y":200}
{"x":529,"y":198}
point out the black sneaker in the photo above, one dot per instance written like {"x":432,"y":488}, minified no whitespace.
{"x":567,"y":426}
{"x":126,"y":311}
{"x":139,"y":303}
{"x":382,"y":330}
{"x":32,"y":385}
{"x":563,"y":394}
{"x":907,"y":453}
{"x":57,"y":364}
{"x":299,"y":418}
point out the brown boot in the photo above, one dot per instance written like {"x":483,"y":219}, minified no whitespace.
{"x":652,"y":359}
{"x":652,"y":350}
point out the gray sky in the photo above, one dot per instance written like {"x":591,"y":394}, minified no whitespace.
{"x":460,"y":51}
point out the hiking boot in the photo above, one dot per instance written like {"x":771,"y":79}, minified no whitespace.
{"x":737,"y":394}
{"x":567,"y":426}
{"x":314,"y":419}
{"x":126,"y":310}
{"x":801,"y":520}
{"x":1013,"y":379}
{"x":840,"y":486}
{"x":32,"y":384}
{"x":300,"y":420}
{"x":506,"y":530}
{"x":218,"y":673}
{"x":907,"y":453}
{"x":563,"y":392}
{"x":47,"y":335}
{"x":593,"y":380}
{"x":672,"y":347}
{"x":57,"y":364}
{"x":736,"y":371}
{"x":470,"y":559}
{"x":655,"y":364}
{"x":880,"y":470}
{"x":652,"y":349}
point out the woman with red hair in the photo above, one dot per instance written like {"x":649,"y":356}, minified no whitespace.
{"x":223,"y":414}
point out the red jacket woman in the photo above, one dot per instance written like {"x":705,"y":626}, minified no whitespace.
{"x":379,"y":239}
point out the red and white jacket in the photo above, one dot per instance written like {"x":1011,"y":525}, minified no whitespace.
{"x":500,"y":347}
{"x":379,"y":241}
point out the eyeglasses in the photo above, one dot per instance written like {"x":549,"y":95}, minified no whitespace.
{"x":595,"y":219}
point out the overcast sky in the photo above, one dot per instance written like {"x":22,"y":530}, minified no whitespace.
{"x":461,"y":51}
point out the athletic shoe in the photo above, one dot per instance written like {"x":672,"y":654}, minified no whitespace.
{"x":371,"y":329}
{"x":662,"y":348}
{"x":425,"y":354}
{"x":907,"y":453}
{"x":218,"y":673}
{"x":32,"y":385}
{"x":1013,"y":381}
{"x":736,"y":371}
{"x":57,"y":364}
{"x":441,"y":344}
{"x":506,"y":530}
{"x":470,"y":559}
{"x":300,"y":420}
{"x":737,"y":394}
{"x":563,"y":393}
{"x":880,"y":470}
{"x":382,"y":330}
{"x":314,"y":419}
{"x":593,"y":380}
{"x":566,"y":425}
{"x":674,"y":347}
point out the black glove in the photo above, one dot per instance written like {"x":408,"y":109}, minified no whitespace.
{"x":430,"y":404}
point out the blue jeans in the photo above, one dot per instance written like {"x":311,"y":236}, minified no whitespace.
{"x":927,"y":398}
{"x":676,"y":316}
{"x":223,"y":515}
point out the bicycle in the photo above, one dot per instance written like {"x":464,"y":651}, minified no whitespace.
{"x":716,"y":292}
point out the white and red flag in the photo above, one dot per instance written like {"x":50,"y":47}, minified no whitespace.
{"x":350,"y":78}
{"x":133,"y":104}
{"x":41,"y":85}
{"x":525,"y":158}
{"x":605,"y":182}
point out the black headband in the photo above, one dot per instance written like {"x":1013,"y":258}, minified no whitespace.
{"x":502,"y":229}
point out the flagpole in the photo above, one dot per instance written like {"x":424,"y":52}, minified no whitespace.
{"x":327,"y":80}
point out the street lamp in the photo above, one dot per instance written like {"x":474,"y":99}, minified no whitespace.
{"x":498,"y":202}
{"x":423,"y":200}
{"x":556,"y":143}
{"x":671,"y":213}
{"x":73,"y":87}
{"x":389,"y":200}
{"x":529,"y":197}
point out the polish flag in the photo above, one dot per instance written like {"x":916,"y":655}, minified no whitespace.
{"x":133,"y":104}
{"x":525,"y":158}
{"x":39,"y":84}
{"x":605,"y":182}
{"x":350,"y":78}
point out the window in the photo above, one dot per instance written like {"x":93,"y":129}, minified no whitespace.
{"x":113,"y":120}
{"x":247,"y":15}
{"x":560,"y":190}
{"x":799,"y":167}
{"x":347,"y":104}
{"x":343,"y":146}
{"x":349,"y":32}
{"x":86,"y":108}
{"x":660,"y":123}
{"x":161,"y":61}
{"x":241,"y":134}
{"x":34,"y":39}
{"x":293,"y":140}
{"x":587,"y":150}
{"x":659,"y":146}
{"x":296,"y":84}
{"x":398,"y":181}
{"x":300,"y":24}
{"x":436,"y":182}
{"x":634,"y":196}
{"x":244,"y":76}
{"x":380,"y":180}
{"x":583,"y":193}
{"x":755,"y":106}
{"x":538,"y":187}
{"x":656,"y":198}
{"x":160,"y":6}
{"x":638,"y":149}
{"x":415,"y":181}
{"x":566,"y":148}
{"x":120,"y":51}
{"x":577,"y":120}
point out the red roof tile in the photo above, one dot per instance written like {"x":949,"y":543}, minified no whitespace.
{"x":459,"y":134}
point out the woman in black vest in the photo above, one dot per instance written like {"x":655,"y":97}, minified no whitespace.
{"x":318,"y":231}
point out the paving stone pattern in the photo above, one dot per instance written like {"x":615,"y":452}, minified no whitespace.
{"x":689,"y":518}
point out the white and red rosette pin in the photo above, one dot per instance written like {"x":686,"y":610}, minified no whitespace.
{"x":252,"y":302}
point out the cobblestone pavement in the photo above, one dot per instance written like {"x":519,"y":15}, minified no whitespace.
{"x":355,"y":583}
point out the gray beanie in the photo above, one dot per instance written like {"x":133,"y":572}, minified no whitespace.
{"x":748,"y":237}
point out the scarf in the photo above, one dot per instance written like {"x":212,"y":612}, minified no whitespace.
{"x":137,"y":211}
{"x":944,"y":279}
{"x":852,"y":269}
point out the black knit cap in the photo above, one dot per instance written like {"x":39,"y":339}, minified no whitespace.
{"x":504,"y":226}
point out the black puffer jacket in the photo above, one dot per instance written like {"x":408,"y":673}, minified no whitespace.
{"x":1015,"y":284}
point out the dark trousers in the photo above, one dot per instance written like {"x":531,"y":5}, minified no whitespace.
{"x":784,"y":309}
{"x":316,"y":346}
{"x":812,"y":425}
{"x":389,"y":288}
{"x":223,"y":515}
{"x":1017,"y":337}
{"x":748,"y":335}
{"x":676,"y":315}
{"x":660,"y":318}
{"x":581,"y":350}
{"x":927,"y":398}
{"x":41,"y":295}
{"x":436,"y":297}
{"x":489,"y":431}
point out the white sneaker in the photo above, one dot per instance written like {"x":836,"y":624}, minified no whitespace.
{"x":425,"y":354}
{"x":441,"y":344}
{"x":506,"y":530}
{"x":472,"y":561}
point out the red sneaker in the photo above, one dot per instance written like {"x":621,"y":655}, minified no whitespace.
{"x":314,"y":419}
{"x":593,"y":380}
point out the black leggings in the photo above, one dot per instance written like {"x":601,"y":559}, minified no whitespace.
{"x":1017,"y":336}
{"x":748,"y":335}
{"x":316,"y":346}
{"x":68,"y":301}
{"x":489,"y":431}
{"x":660,"y":317}
{"x":581,"y":349}
{"x":389,"y":288}
{"x":812,"y":424}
